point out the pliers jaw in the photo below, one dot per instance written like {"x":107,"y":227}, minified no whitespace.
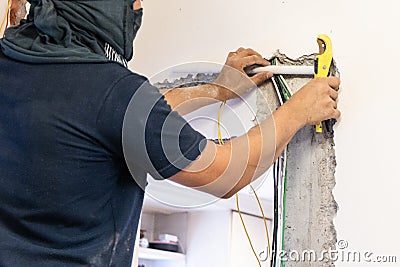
{"x":327,"y":128}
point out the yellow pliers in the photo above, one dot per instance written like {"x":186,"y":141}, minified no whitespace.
{"x":322,"y":67}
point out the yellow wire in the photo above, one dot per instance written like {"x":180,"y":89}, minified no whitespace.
{"x":221,"y":142}
{"x":6,"y":15}
{"x":245,"y":230}
{"x":264,"y":218}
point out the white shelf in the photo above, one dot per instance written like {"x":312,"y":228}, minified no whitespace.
{"x":156,"y":254}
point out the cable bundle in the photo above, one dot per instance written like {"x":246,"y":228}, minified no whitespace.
{"x":280,"y":174}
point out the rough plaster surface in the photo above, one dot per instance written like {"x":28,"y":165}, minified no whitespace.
{"x":310,"y":205}
{"x":189,"y":80}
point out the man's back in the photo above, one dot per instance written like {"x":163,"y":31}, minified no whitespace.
{"x":67,"y":197}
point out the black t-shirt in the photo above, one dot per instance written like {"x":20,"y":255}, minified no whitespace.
{"x":67,"y":197}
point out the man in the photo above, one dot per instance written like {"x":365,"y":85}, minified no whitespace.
{"x":76,"y":126}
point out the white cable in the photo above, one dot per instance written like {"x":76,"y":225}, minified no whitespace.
{"x":277,"y":91}
{"x":291,"y":70}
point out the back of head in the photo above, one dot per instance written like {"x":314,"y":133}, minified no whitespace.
{"x":73,"y":31}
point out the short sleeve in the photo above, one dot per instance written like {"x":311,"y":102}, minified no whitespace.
{"x":154,"y":138}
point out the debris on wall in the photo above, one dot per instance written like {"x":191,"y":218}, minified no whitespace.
{"x":310,"y":205}
{"x":189,"y":80}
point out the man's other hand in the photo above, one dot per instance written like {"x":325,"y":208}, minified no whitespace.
{"x":232,"y":84}
{"x":316,"y":101}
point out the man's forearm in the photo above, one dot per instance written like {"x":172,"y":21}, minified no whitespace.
{"x":222,"y":170}
{"x":266,"y":143}
{"x":187,"y":99}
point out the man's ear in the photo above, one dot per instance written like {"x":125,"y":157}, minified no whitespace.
{"x":137,"y":4}
{"x":17,"y":11}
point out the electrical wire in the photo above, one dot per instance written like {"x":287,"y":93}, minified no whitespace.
{"x":285,"y":92}
{"x":264,"y":218}
{"x":276,"y":215}
{"x":6,"y":16}
{"x":280,"y":175}
{"x":284,"y":210}
{"x":245,"y":230}
{"x":221,"y":142}
{"x":276,"y":171}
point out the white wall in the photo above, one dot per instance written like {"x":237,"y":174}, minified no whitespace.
{"x":3,"y":8}
{"x":208,"y":238}
{"x":365,"y":41}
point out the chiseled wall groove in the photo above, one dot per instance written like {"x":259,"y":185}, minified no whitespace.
{"x":310,"y":205}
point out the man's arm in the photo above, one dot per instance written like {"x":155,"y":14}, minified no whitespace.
{"x":188,"y":99}
{"x":233,"y":76}
{"x":222,"y":170}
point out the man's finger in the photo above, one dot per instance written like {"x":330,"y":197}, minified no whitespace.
{"x":252,"y":60}
{"x":334,"y":104}
{"x":333,"y":94}
{"x":336,"y":114}
{"x":231,"y":54}
{"x":261,"y":77}
{"x":334,"y":82}
{"x":248,"y":52}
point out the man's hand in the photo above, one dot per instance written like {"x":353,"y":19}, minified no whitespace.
{"x":137,"y":4}
{"x":243,"y":58}
{"x":232,"y":78}
{"x":316,"y":101}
